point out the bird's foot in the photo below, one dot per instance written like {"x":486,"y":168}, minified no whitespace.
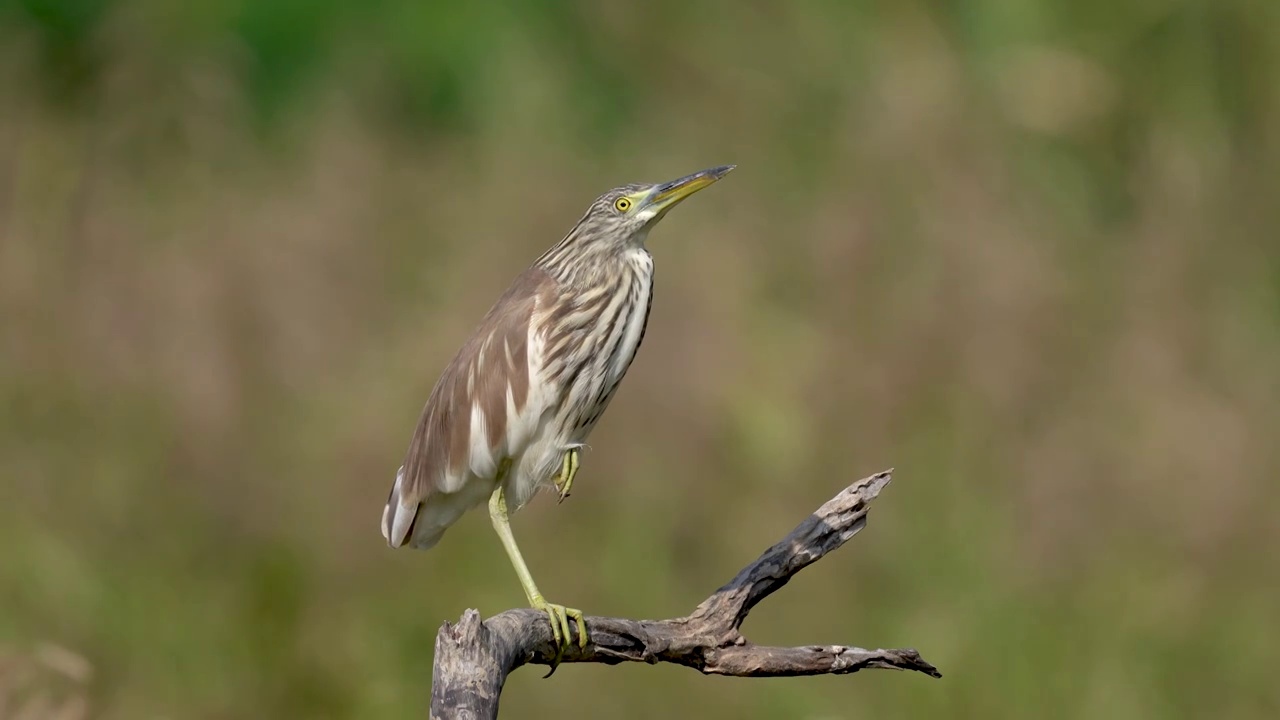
{"x":558,"y":616}
{"x":568,"y":468}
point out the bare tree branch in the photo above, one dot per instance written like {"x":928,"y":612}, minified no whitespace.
{"x":473,"y":657}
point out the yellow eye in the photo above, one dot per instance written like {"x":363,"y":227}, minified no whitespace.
{"x":622,"y":204}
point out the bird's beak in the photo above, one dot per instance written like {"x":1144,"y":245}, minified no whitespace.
{"x":669,"y":194}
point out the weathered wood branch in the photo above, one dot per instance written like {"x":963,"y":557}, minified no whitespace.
{"x":473,"y":658}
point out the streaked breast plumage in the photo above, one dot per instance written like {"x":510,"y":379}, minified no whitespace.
{"x":528,"y":389}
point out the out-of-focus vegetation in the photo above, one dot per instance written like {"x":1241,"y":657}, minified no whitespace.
{"x":1024,"y":252}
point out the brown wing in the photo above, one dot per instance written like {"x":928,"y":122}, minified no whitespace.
{"x":442,"y":470}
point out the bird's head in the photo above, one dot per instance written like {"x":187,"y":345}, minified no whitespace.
{"x":622,"y":217}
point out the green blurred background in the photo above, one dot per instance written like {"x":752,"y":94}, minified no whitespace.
{"x":1024,"y":252}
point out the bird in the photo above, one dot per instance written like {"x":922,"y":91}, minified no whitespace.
{"x":511,"y":412}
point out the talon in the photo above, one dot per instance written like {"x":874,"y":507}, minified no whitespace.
{"x":582,"y":626}
{"x":568,"y":468}
{"x":558,"y":617}
{"x":559,"y":640}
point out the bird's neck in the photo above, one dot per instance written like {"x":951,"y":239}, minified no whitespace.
{"x":589,"y":264}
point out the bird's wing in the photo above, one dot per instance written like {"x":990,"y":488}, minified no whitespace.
{"x":479,"y":409}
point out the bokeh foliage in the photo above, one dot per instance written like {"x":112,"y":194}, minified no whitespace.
{"x":1026,"y":252}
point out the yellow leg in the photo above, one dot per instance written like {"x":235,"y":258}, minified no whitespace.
{"x":557,"y":615}
{"x":568,"y":468}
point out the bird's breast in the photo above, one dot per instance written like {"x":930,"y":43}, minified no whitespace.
{"x":639,"y":301}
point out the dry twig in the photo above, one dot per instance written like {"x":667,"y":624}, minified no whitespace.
{"x":473,"y":658}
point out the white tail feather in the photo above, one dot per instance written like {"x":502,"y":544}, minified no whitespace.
{"x":430,"y":518}
{"x":397,"y":517}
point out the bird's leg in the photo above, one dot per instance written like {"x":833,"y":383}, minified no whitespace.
{"x":557,"y":615}
{"x":568,"y":468}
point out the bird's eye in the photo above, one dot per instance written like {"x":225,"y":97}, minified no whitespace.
{"x":622,"y":204}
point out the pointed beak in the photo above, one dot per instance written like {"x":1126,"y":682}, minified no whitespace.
{"x":669,"y":194}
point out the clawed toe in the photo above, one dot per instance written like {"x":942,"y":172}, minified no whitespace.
{"x":558,"y":616}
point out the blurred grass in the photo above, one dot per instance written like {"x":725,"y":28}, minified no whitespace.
{"x":1026,"y":253}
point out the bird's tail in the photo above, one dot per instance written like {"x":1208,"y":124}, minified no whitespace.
{"x":398,"y":518}
{"x":420,"y":525}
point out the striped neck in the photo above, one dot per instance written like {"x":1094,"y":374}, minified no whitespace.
{"x":582,"y":260}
